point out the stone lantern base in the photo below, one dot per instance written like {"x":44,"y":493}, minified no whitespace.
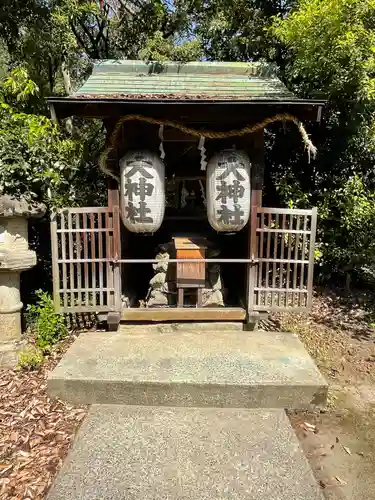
{"x":10,"y":306}
{"x":10,"y":318}
{"x":15,"y":257}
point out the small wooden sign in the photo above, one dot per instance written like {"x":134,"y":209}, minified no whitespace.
{"x":190,"y":274}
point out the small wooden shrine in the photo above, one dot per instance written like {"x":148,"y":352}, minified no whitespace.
{"x":184,"y":235}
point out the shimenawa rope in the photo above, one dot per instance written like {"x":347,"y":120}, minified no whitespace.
{"x":208,"y":134}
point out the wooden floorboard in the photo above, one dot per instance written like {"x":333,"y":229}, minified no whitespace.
{"x":184,"y":314}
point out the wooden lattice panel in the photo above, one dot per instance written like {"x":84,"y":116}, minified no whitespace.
{"x":84,"y":244}
{"x":284,"y":248}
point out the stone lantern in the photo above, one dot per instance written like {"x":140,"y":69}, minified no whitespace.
{"x":15,"y":257}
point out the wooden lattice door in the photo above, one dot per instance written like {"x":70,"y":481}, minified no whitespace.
{"x":282,"y":244}
{"x":85,"y":246}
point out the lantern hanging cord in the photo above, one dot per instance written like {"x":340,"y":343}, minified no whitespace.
{"x":208,"y":134}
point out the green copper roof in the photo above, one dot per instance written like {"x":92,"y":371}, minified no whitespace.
{"x":193,"y":80}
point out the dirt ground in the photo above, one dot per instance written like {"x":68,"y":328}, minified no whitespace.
{"x":339,"y":440}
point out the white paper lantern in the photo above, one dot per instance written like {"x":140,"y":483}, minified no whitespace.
{"x":142,"y":191}
{"x":228,"y":190}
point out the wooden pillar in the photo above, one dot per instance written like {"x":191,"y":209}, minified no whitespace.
{"x":257,"y":160}
{"x":115,"y":252}
{"x":113,"y":194}
{"x":257,"y":177}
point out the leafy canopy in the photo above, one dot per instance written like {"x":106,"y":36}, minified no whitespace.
{"x":237,"y":30}
{"x":36,"y":160}
{"x":322,"y":48}
{"x":329,"y":48}
{"x":332,"y":46}
{"x":75,"y":32}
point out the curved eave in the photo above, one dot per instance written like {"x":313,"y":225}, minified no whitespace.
{"x":195,"y":110}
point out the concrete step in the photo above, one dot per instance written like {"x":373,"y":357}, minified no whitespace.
{"x":233,"y":369}
{"x":189,"y":326}
{"x":159,"y":453}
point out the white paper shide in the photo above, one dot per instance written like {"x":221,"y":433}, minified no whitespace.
{"x":142,"y":191}
{"x":228,"y":190}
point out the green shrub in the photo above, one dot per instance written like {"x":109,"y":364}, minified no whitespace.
{"x":49,"y":326}
{"x":30,"y":359}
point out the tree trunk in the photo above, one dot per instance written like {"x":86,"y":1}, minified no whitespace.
{"x":66,"y":77}
{"x":68,"y":89}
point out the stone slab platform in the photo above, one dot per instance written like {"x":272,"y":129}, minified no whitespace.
{"x":200,"y":368}
{"x":159,"y":453}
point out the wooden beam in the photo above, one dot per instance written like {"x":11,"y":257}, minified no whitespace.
{"x":184,"y":314}
{"x":222,"y":114}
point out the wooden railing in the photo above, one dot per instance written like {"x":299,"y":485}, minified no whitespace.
{"x":86,"y":259}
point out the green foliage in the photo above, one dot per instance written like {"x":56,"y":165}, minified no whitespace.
{"x":36,"y":161}
{"x":346,"y":227}
{"x":237,"y":31}
{"x":76,"y":32}
{"x":30,"y":358}
{"x":332,"y":46}
{"x":49,"y":327}
{"x":40,"y":161}
{"x":159,"y":49}
{"x":348,"y":214}
{"x":18,"y":84}
{"x":292,"y":193}
{"x":329,"y":48}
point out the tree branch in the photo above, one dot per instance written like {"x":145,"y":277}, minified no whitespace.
{"x":129,"y":9}
{"x":101,"y":27}
{"x":91,"y":38}
{"x":50,"y":75}
{"x":76,"y":34}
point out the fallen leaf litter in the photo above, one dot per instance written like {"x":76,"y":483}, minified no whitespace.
{"x":35,"y":433}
